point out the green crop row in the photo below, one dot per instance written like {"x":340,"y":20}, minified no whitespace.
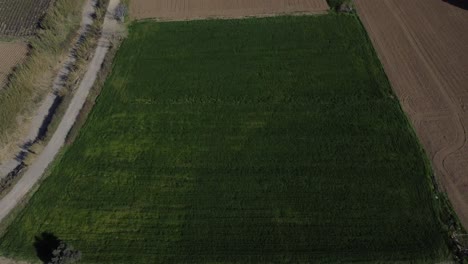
{"x":241,"y":141}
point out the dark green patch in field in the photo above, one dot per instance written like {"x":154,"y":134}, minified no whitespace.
{"x":260,"y":140}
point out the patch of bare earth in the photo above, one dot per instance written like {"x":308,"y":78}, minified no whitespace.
{"x":423,"y":45}
{"x":198,"y":9}
{"x":11,"y":54}
{"x":11,"y":261}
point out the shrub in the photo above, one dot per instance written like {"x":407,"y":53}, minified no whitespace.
{"x":336,"y":4}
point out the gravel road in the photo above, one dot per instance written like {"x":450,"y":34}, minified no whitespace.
{"x":9,"y":164}
{"x":37,"y":169}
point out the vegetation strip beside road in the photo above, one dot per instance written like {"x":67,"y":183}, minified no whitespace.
{"x":54,"y":106}
{"x":35,"y":171}
{"x":43,"y":116}
{"x":32,"y":80}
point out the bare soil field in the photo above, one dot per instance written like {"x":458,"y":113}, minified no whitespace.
{"x":11,"y":53}
{"x":20,"y":17}
{"x":196,"y":9}
{"x":423,"y":45}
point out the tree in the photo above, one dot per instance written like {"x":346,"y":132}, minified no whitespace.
{"x":340,"y":5}
{"x":64,"y":254}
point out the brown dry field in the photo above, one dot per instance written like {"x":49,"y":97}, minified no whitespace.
{"x":11,"y":53}
{"x":196,"y":9}
{"x":423,"y":45}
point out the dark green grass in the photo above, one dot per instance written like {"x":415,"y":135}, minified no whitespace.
{"x":259,"y":140}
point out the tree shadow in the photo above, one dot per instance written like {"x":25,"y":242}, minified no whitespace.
{"x":463,"y":4}
{"x":45,"y":244}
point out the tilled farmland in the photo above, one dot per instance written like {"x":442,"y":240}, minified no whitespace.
{"x":11,"y":54}
{"x":19,"y":18}
{"x":197,"y":9}
{"x":423,"y":45}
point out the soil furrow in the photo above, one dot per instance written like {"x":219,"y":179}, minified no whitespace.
{"x":197,"y":9}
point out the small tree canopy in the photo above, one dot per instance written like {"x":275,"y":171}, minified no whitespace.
{"x":336,"y":4}
{"x":65,"y":254}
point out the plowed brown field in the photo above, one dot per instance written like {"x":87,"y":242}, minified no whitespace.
{"x":20,"y":17}
{"x":423,"y":45}
{"x":11,"y":53}
{"x":196,"y":9}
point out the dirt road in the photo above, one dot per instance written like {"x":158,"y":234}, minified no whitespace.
{"x":196,"y":9}
{"x":35,"y":171}
{"x":30,"y":129}
{"x":423,"y":45}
